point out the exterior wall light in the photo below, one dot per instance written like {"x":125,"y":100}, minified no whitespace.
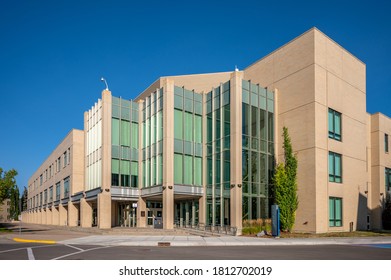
{"x":239,"y":185}
{"x":170,"y":187}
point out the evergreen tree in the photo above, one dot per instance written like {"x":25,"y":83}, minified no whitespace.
{"x":285,"y":185}
{"x":14,"y":205}
{"x":24,"y":199}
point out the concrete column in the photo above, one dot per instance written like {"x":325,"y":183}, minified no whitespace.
{"x":44,"y":217}
{"x":85,"y":213}
{"x":141,"y":213}
{"x":168,"y":154}
{"x":55,"y":216}
{"x":141,"y":203}
{"x":63,"y":215}
{"x":236,"y":150}
{"x":49,"y":216}
{"x":72,"y":214}
{"x":104,"y":210}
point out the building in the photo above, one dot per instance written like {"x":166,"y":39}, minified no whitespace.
{"x":5,"y":210}
{"x":201,"y":149}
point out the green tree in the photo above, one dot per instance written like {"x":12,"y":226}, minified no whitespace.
{"x":7,"y":182}
{"x":24,"y":199}
{"x":14,"y":203}
{"x":285,"y":185}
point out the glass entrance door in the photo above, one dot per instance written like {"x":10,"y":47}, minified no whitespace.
{"x":127,"y":215}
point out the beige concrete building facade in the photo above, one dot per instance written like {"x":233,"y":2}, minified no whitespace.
{"x":200,"y":150}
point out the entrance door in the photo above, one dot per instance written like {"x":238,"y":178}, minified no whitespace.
{"x":127,"y":215}
{"x":154,"y":211}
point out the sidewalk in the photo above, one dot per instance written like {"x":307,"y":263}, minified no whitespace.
{"x":93,"y":236}
{"x":218,"y":241}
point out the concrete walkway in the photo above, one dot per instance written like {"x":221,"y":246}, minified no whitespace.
{"x":218,"y":241}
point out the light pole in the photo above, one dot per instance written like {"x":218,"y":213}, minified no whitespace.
{"x":104,"y":80}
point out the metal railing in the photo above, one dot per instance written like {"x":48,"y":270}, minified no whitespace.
{"x":218,"y":229}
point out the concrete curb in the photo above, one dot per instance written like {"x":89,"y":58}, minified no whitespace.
{"x":173,"y":241}
{"x":34,"y":241}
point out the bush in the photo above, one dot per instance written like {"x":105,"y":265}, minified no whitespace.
{"x":252,"y":227}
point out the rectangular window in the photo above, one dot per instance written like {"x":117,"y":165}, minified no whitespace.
{"x":65,"y":159}
{"x":188,"y":170}
{"x":178,"y":169}
{"x":66,"y":187}
{"x":335,"y":167}
{"x":125,"y":133}
{"x":335,"y":125}
{"x":178,"y":124}
{"x":387,"y":179}
{"x":51,"y":194}
{"x":188,"y":124}
{"x":58,"y":189}
{"x":115,"y":132}
{"x":386,"y":143}
{"x":335,"y":212}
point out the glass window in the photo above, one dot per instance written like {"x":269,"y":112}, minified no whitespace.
{"x":115,"y":172}
{"x":178,"y":169}
{"x":209,"y":126}
{"x":178,"y":124}
{"x":335,"y":212}
{"x":198,"y":171}
{"x":197,"y":129}
{"x":188,"y":124}
{"x":335,"y":124}
{"x":58,"y":189}
{"x":134,"y":135}
{"x":115,"y":132}
{"x":335,"y":167}
{"x":125,"y":133}
{"x":66,"y":187}
{"x":178,"y":102}
{"x":386,"y":143}
{"x":188,"y":170}
{"x":245,"y":119}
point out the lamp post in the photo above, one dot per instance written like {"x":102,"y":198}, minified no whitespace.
{"x":104,"y":80}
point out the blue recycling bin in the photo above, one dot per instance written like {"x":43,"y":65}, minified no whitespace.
{"x":275,"y":220}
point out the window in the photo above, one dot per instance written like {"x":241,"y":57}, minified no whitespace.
{"x":335,"y":125}
{"x":51,"y":194}
{"x":335,"y":167}
{"x":335,"y":212}
{"x":386,"y":142}
{"x":66,"y":187}
{"x":387,"y":179}
{"x":58,"y":187}
{"x":65,"y":159}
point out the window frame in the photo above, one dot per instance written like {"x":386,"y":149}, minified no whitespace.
{"x":332,"y":134}
{"x":333,"y":220}
{"x":332,"y":175}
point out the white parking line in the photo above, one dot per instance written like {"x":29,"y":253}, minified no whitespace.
{"x":82,"y":251}
{"x":30,"y":254}
{"x":74,"y":247}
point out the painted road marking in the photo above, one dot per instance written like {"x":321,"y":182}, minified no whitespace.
{"x":30,"y":254}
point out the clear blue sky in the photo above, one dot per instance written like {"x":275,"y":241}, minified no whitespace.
{"x":53,"y":53}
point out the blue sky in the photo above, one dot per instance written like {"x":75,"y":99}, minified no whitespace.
{"x":53,"y":53}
